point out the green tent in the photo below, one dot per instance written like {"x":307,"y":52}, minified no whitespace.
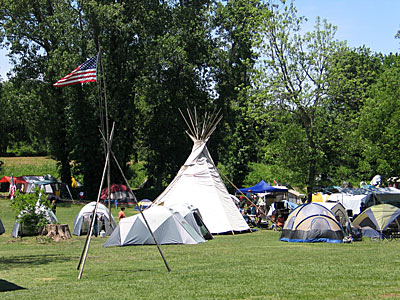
{"x":379,"y":220}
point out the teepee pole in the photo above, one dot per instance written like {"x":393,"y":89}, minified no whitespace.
{"x":196,"y":123}
{"x":140,"y":209}
{"x":193,"y":125}
{"x":187,"y":124}
{"x":214,"y":127}
{"x":82,"y":260}
{"x":251,"y":202}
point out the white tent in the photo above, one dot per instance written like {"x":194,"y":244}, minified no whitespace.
{"x":193,"y":217}
{"x":168,"y":226}
{"x":82,"y":220}
{"x":349,"y":201}
{"x":198,"y":183}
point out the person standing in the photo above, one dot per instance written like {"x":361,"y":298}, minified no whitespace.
{"x":121,"y":214}
{"x":54,"y":205}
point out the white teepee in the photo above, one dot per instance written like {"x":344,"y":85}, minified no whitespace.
{"x":198,"y":183}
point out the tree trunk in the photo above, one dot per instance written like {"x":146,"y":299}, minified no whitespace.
{"x":311,"y":180}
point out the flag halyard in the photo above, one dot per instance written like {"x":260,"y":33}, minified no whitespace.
{"x":85,"y":72}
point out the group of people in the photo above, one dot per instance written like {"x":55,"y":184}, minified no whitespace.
{"x":278,"y":219}
{"x":254,"y":213}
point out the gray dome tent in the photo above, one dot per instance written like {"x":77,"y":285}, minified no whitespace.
{"x":379,"y":220}
{"x":192,"y":215}
{"x":168,"y":226}
{"x":82,"y":220}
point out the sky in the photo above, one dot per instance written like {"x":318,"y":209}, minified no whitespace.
{"x":372,"y":23}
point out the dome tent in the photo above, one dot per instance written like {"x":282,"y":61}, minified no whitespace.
{"x":311,"y":223}
{"x":118,"y":192}
{"x":167,"y":225}
{"x":143,"y":204}
{"x":378,"y":220}
{"x":192,"y":215}
{"x":338,"y":210}
{"x":82,"y":220}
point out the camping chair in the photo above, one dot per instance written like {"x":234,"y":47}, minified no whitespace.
{"x":393,"y":231}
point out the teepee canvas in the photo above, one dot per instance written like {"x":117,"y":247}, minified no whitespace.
{"x":198,"y":183}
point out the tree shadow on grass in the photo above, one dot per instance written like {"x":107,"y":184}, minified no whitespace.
{"x":7,"y":263}
{"x":6,"y":286}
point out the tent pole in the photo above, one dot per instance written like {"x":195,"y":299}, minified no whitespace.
{"x":140,"y":210}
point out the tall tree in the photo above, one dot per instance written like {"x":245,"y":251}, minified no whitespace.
{"x":351,"y":73}
{"x":176,"y":76}
{"x":295,"y":79}
{"x":237,"y":24}
{"x":47,"y":39}
{"x":22,"y":120}
{"x":379,"y":124}
{"x":37,"y":40}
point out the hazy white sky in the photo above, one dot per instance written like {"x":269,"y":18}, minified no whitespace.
{"x":372,"y":23}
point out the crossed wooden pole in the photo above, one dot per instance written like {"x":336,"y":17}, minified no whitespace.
{"x":85,"y":249}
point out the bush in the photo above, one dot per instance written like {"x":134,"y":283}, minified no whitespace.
{"x":26,"y":210}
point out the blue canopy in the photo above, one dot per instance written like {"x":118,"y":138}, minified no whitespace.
{"x":262,"y":187}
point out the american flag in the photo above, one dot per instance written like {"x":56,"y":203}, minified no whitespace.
{"x":86,"y":72}
{"x":12,"y":188}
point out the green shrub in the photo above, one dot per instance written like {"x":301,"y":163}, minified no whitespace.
{"x":25,"y":209}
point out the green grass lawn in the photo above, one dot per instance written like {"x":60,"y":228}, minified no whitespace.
{"x":19,"y":166}
{"x":245,"y":266}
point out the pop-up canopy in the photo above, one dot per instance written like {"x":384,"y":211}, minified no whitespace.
{"x":263,"y":187}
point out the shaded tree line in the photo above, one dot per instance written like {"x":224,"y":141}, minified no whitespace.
{"x":299,"y":107}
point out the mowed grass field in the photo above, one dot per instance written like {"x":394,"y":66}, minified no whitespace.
{"x":19,"y":166}
{"x":244,"y":266}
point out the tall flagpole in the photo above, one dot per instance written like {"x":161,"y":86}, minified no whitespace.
{"x":107,"y":137}
{"x":106,"y":171}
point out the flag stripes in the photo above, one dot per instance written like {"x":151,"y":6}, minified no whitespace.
{"x":85,"y":72}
